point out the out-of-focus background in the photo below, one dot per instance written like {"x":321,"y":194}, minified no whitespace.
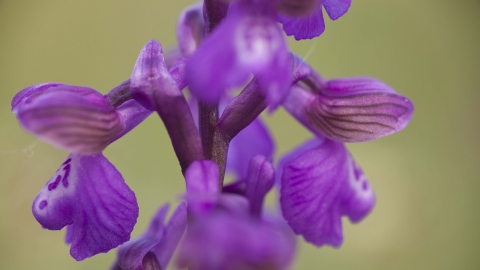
{"x":427,"y":177}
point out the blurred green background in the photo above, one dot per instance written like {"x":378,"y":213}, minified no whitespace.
{"x":426,"y":177}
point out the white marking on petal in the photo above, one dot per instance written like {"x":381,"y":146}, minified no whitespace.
{"x":256,"y":41}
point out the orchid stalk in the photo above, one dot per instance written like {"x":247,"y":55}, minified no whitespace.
{"x":223,"y":45}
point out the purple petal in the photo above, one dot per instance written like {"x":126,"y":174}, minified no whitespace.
{"x":177,"y":71}
{"x":261,"y":177}
{"x":234,"y":242}
{"x":297,"y":7}
{"x":150,"y":75}
{"x":132,"y":114}
{"x":320,"y":183}
{"x":244,"y":44}
{"x":190,"y":29}
{"x":155,"y":247}
{"x":275,"y":80}
{"x":202,"y":177}
{"x":91,"y":195}
{"x":336,"y":8}
{"x":357,"y":110}
{"x":132,"y":253}
{"x":359,"y":198}
{"x":305,"y":27}
{"x":311,"y":193}
{"x":74,"y":118}
{"x":173,"y":233}
{"x":202,"y":186}
{"x":237,"y":187}
{"x":29,"y":92}
{"x":254,"y":140}
{"x":313,"y":143}
{"x":233,"y":204}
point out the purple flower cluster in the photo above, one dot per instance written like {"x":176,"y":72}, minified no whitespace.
{"x":222,"y":46}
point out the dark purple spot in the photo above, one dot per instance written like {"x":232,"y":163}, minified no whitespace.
{"x":54,"y":185}
{"x":358,"y":173}
{"x":65,"y":176}
{"x":67,"y":161}
{"x":365,"y":185}
{"x":42,"y":204}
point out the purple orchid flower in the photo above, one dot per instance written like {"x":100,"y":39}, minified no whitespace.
{"x":228,"y":231}
{"x":311,"y":24}
{"x":154,"y":249}
{"x":248,"y":42}
{"x":320,"y":182}
{"x":351,"y":109}
{"x":87,"y":192}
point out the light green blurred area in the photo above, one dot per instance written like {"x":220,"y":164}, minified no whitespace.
{"x":426,"y":177}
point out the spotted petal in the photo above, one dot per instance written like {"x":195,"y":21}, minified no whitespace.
{"x":88,"y":193}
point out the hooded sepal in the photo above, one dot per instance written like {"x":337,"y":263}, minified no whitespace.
{"x":74,"y":118}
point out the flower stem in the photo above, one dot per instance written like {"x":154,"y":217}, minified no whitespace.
{"x":240,"y":113}
{"x":207,"y":119}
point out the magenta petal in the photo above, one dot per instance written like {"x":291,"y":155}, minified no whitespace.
{"x":261,"y":177}
{"x":77,"y":119}
{"x":304,"y":27}
{"x":358,"y":109}
{"x":254,"y":140}
{"x":91,"y":195}
{"x":336,"y":8}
